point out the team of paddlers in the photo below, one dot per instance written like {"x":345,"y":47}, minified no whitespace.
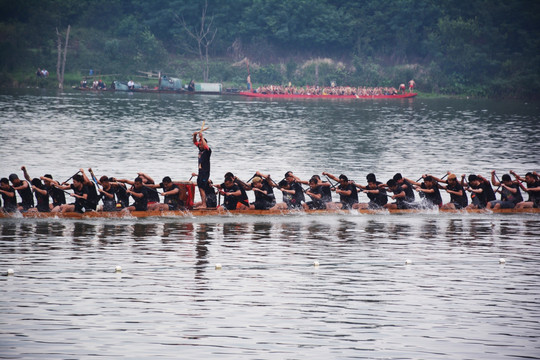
{"x":331,"y":90}
{"x":112,"y":194}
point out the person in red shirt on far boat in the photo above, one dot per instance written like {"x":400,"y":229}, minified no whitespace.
{"x":411,"y":85}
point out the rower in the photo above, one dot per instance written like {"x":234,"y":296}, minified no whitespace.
{"x":153,"y":196}
{"x":478,"y":194}
{"x":139,"y":193}
{"x":25,"y":192}
{"x":375,"y":192}
{"x":315,"y":192}
{"x":80,"y":193}
{"x":458,"y":197}
{"x":42,"y":196}
{"x":510,"y":194}
{"x":108,"y":195}
{"x":533,"y":189}
{"x":488,"y":190}
{"x":406,"y":186}
{"x":429,"y":190}
{"x":93,"y":197}
{"x":325,"y":188}
{"x":122,"y":197}
{"x":170,"y":193}
{"x":244,"y":200}
{"x":58,"y":197}
{"x":399,"y":195}
{"x":264,"y":194}
{"x":293,"y":194}
{"x":231,"y":193}
{"x":8,"y":196}
{"x":348,"y":195}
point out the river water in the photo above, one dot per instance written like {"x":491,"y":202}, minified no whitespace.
{"x":455,"y":300}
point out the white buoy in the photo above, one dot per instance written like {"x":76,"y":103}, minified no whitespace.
{"x":118,"y":268}
{"x":218,"y":266}
{"x":316,"y":263}
{"x":408,"y":262}
{"x":10,"y":272}
{"x":502,"y":261}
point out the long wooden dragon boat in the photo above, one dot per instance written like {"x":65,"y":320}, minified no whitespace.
{"x":304,"y":96}
{"x":221,"y":212}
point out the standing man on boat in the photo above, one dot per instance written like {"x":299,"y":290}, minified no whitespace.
{"x":204,"y":164}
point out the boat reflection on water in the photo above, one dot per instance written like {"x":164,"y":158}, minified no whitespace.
{"x":229,"y":231}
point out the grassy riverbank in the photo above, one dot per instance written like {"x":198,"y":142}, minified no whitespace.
{"x":319,"y":71}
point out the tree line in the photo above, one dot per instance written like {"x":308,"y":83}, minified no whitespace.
{"x":478,"y":47}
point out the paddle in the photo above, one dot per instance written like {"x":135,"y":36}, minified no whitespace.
{"x":499,"y":180}
{"x":333,"y":185}
{"x":251,"y":178}
{"x":279,"y":187}
{"x":71,"y":177}
{"x":93,"y":177}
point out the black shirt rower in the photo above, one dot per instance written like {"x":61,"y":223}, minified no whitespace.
{"x":399,"y":196}
{"x":315,"y":192}
{"x":108,"y":194}
{"x":458,"y":196}
{"x":231,"y":193}
{"x":8,"y":196}
{"x":478,"y":195}
{"x":140,"y":196}
{"x":264,"y":194}
{"x":406,"y":186}
{"x":41,"y":194}
{"x":25,"y":192}
{"x":429,"y":191}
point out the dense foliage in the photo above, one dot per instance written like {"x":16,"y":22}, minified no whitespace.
{"x":478,"y":47}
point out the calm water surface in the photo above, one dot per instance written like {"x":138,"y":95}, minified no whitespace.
{"x":455,"y":301}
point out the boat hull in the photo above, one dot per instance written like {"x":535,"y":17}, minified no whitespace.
{"x":297,"y":96}
{"x":221,"y":212}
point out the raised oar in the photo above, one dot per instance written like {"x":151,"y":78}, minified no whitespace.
{"x":71,"y":177}
{"x":333,"y":185}
{"x":500,"y":182}
{"x":277,"y":186}
{"x":251,"y":178}
{"x":93,"y":177}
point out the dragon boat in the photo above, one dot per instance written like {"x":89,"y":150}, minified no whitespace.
{"x":190,"y":213}
{"x":305,"y":96}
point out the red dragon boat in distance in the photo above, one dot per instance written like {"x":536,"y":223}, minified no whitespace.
{"x":304,"y":96}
